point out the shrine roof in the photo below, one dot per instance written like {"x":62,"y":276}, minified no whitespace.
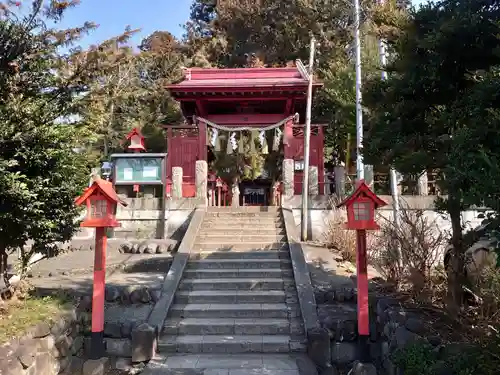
{"x":241,"y":78}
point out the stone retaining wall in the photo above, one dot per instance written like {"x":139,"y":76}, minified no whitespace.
{"x":47,"y":349}
{"x":392,"y":327}
{"x":144,"y":218}
{"x":129,"y":337}
{"x":320,"y":216}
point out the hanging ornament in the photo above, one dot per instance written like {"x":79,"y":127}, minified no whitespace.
{"x":218,"y":142}
{"x":241,"y":149}
{"x":263,"y":142}
{"x":234,"y":144}
{"x":253,"y":135}
{"x":277,"y":140}
{"x":213,"y":139}
{"x":207,"y":136}
{"x":229,"y":146}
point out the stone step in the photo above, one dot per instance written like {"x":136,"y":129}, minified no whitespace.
{"x":237,"y":273}
{"x":226,"y":344}
{"x":230,"y":296}
{"x":225,"y":326}
{"x":239,"y":237}
{"x":204,"y":245}
{"x":227,"y":364}
{"x":252,"y":214}
{"x":231,"y":229}
{"x":233,"y":284}
{"x":243,"y":209}
{"x":214,"y":310}
{"x":243,"y":218}
{"x":238,"y":263}
{"x":263,"y":254}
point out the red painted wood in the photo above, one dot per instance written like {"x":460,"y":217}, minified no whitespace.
{"x":268,"y":90}
{"x":362,"y":194}
{"x":99,"y":280}
{"x":222,"y":96}
{"x":183,"y":151}
{"x":295,"y":151}
{"x":243,"y":73}
{"x":201,"y":86}
{"x":289,"y":106}
{"x":245,"y":119}
{"x":362,"y":284}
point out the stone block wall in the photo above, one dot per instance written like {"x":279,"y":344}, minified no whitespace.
{"x":48,"y":349}
{"x":321,"y":212}
{"x":127,"y":312}
{"x":143,"y":218}
{"x":392,"y":328}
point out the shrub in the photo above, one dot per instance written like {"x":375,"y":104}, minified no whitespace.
{"x":410,"y":253}
{"x":486,"y":310}
{"x":420,"y":358}
{"x":336,"y":236}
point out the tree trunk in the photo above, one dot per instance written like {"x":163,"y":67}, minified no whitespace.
{"x":456,"y":277}
{"x":3,"y":264}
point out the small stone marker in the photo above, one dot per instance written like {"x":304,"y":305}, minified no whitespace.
{"x":96,"y":366}
{"x":143,"y":343}
{"x":319,"y":347}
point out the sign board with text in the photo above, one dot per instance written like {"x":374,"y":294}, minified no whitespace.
{"x":138,"y":169}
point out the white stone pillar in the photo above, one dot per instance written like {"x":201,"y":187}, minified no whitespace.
{"x":176,"y":182}
{"x":423,"y":184}
{"x":369,"y":176}
{"x":339,"y":175}
{"x":313,"y":181}
{"x":201,"y":179}
{"x":288,"y":177}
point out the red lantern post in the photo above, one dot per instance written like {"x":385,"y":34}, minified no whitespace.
{"x":101,"y":200}
{"x":361,"y":206}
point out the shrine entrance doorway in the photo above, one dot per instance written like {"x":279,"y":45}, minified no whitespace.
{"x":255,"y":193}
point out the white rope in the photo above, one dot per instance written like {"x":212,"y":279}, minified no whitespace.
{"x":294,"y":117}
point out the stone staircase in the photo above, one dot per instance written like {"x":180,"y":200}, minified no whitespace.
{"x":236,"y":309}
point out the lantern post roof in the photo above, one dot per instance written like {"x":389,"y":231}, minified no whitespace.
{"x":105,"y":187}
{"x":362,"y":189}
{"x":133,"y":132}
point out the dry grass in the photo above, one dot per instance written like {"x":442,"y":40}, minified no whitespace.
{"x":336,"y":237}
{"x":25,"y":310}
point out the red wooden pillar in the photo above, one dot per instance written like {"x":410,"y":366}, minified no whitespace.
{"x":97,"y":345}
{"x":169,"y":157}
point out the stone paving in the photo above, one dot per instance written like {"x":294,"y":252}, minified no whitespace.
{"x":226,"y":364}
{"x":73,"y":271}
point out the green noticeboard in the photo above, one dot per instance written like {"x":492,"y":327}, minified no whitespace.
{"x":137,"y":170}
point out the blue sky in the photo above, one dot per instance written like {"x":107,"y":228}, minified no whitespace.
{"x":113,"y":16}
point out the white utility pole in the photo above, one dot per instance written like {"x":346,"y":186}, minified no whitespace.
{"x":360,"y":168}
{"x":307,"y":142}
{"x":393,"y":174}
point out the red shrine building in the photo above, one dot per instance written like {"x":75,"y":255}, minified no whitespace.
{"x":265,"y":107}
